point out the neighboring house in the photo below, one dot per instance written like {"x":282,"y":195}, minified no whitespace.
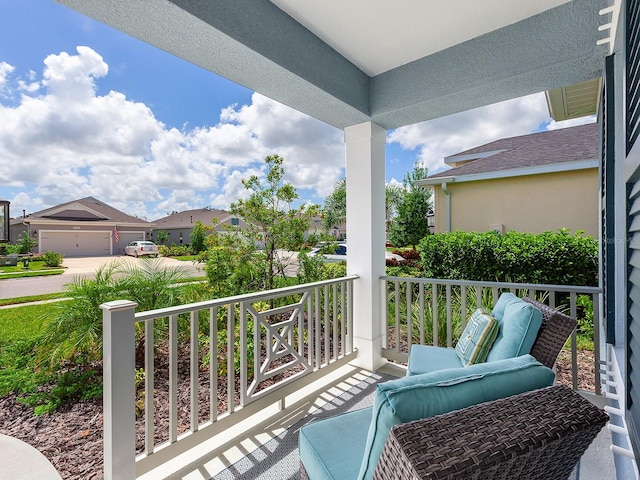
{"x":532,"y":183}
{"x":317,"y":227}
{"x":180,"y":224}
{"x":84,"y":227}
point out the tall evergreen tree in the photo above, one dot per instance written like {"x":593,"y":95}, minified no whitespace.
{"x":410,"y":224}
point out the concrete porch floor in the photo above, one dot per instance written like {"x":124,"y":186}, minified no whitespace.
{"x":220,"y":452}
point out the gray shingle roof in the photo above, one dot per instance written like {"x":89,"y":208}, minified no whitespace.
{"x":533,"y":150}
{"x":188,"y":218}
{"x":73,"y":211}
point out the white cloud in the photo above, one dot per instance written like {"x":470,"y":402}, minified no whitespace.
{"x":446,"y":136}
{"x":62,"y":141}
{"x":5,"y":70}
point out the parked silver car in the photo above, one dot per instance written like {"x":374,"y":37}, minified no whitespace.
{"x":139,"y":248}
{"x":340,"y":254}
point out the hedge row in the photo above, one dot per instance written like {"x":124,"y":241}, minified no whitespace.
{"x":556,"y":258}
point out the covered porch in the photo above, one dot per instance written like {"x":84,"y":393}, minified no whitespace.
{"x":366,"y":68}
{"x":227,"y":399}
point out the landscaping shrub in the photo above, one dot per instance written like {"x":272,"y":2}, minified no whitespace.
{"x":558,"y":258}
{"x":52,"y":259}
{"x":174,"y":250}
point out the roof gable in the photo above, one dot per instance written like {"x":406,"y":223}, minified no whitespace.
{"x":187,"y":218}
{"x":534,"y":150}
{"x":88,"y":209}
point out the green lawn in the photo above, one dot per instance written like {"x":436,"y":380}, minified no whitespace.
{"x":34,"y":269}
{"x":21,"y":323}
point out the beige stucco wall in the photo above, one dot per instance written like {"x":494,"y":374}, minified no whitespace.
{"x":531,"y":203}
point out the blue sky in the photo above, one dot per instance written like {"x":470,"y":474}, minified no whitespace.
{"x":86,"y":110}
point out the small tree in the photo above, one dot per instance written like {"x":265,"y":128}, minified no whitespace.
{"x":162,"y":236}
{"x":272,"y":222}
{"x":335,"y":206}
{"x":198,"y":233}
{"x":24,"y":244}
{"x":410,"y":225}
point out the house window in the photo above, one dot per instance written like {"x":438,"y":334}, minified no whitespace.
{"x":235,"y":221}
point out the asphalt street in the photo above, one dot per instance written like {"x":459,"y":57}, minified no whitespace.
{"x":74,"y":267}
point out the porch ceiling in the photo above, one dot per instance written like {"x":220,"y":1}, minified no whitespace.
{"x":393,"y":63}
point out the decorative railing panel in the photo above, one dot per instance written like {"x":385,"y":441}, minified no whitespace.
{"x":197,"y":369}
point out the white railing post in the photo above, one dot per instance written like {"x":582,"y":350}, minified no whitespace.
{"x":118,"y":333}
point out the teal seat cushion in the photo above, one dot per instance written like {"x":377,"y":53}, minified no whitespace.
{"x":477,"y":338}
{"x":426,"y":359}
{"x":519,"y":324}
{"x":421,"y":396}
{"x":332,"y":448}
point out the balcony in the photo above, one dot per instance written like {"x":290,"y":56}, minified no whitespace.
{"x":207,"y":383}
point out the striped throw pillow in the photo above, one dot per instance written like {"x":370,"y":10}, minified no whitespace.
{"x":477,"y":338}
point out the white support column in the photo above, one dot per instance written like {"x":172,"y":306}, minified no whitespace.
{"x":118,"y":351}
{"x":365,"y":152}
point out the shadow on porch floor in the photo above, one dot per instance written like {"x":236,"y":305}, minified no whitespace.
{"x":249,"y":450}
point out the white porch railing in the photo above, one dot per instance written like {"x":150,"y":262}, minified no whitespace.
{"x":204,"y":351}
{"x":432,"y":311}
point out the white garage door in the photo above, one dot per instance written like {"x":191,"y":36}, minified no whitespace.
{"x":76,"y":244}
{"x":125,"y":238}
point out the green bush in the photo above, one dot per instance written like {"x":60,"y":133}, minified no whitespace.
{"x":174,"y":250}
{"x":52,"y":259}
{"x":557,"y":258}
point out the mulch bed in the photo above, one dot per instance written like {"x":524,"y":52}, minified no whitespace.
{"x":72,"y":438}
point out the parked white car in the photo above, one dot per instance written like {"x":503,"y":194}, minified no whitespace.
{"x":340,"y":254}
{"x":138,"y":248}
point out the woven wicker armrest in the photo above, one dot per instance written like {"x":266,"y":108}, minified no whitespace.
{"x":556,"y":328}
{"x":534,"y":435}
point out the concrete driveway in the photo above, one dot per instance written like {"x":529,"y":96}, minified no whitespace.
{"x":81,"y":266}
{"x":84,"y":265}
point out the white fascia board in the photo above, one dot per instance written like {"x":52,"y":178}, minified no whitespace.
{"x":514,"y":172}
{"x":471,"y":156}
{"x":426,"y":182}
{"x":75,"y":206}
{"x":100,"y":223}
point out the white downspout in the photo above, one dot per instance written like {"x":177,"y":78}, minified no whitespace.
{"x":447,"y":206}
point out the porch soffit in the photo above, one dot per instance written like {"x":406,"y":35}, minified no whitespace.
{"x":513,"y":50}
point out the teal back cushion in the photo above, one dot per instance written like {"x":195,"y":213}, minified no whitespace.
{"x":519,"y":324}
{"x":422,"y":396}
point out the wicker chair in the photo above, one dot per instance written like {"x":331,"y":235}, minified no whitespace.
{"x":535,"y":435}
{"x":556,"y":328}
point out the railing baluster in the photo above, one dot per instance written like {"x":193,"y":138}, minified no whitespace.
{"x":449,"y":317}
{"x":318,"y":331}
{"x":343,"y":318}
{"x":213,"y":364}
{"x":231,"y":368}
{"x":574,"y":349}
{"x":596,"y":339}
{"x":350,"y":317}
{"x":463,"y":306}
{"x":310,"y":331}
{"x":325,"y":322}
{"x":243,"y":350}
{"x":396,"y":296}
{"x":421,"y":305}
{"x":334,"y":320}
{"x":195,"y":370}
{"x":149,"y":373}
{"x":409,"y":317}
{"x":434,"y":304}
{"x":173,"y":378}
